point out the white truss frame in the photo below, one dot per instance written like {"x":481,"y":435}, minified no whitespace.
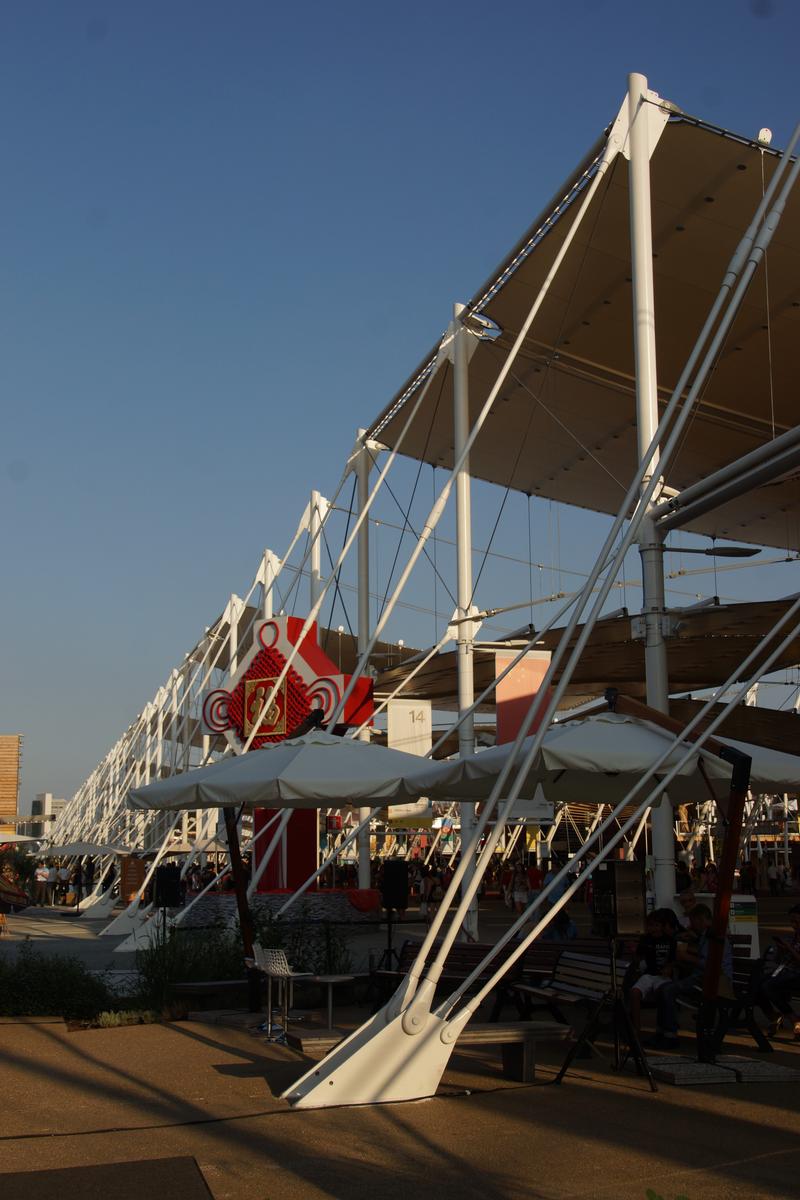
{"x":401,"y":1052}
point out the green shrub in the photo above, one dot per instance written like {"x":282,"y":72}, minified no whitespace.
{"x":137,"y":1016}
{"x":198,"y":955}
{"x":33,"y":984}
{"x":187,"y":956}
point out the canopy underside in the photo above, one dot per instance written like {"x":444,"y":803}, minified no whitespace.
{"x":564,"y":424}
{"x":705,"y":649}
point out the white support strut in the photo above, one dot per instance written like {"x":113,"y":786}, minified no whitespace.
{"x":408,"y":1014}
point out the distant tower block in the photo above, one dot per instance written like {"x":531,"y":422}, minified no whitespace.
{"x":10,"y":758}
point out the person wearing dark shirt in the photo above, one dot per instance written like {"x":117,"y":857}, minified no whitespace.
{"x":781,"y":976}
{"x":696,"y":954}
{"x":653,"y":961}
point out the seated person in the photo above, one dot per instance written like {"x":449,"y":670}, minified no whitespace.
{"x":686,"y":901}
{"x":693,"y":955}
{"x":781,"y":976}
{"x":653,"y":962}
{"x":683,"y":880}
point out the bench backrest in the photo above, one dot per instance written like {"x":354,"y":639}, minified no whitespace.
{"x":464,"y":957}
{"x":587,"y":975}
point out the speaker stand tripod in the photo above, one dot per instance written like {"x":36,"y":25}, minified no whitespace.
{"x":390,"y":959}
{"x":623,"y":1030}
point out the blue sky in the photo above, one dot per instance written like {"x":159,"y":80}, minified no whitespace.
{"x":229,"y":232}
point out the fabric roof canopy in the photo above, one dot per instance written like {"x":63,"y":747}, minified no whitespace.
{"x":563,"y":426}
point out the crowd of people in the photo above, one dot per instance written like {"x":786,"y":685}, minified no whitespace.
{"x":667,"y":964}
{"x":60,"y":882}
{"x":755,"y":876}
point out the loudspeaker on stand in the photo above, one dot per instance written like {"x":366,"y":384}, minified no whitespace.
{"x":619,"y":906}
{"x":394,"y":885}
{"x":167,"y":887}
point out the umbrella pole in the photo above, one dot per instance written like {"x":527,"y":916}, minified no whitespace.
{"x":245,"y":916}
{"x":708,"y":1040}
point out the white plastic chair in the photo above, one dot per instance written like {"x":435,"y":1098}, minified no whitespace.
{"x":275,"y":965}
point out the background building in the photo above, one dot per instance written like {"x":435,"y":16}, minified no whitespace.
{"x":10,"y":760}
{"x":44,"y":810}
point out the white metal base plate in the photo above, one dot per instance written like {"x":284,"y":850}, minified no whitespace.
{"x":377,"y":1064}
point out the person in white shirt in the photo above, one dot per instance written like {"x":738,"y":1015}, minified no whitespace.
{"x":63,"y":882}
{"x":52,"y":883}
{"x":40,"y":884}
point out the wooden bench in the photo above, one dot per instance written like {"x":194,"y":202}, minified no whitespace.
{"x":737,"y":1011}
{"x":538,"y":961}
{"x":577,"y":977}
{"x":517,"y":1040}
{"x":461,"y":961}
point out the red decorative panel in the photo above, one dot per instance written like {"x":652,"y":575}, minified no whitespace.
{"x":291,"y":705}
{"x":312,"y":682}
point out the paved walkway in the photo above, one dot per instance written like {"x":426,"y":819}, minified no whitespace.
{"x":71,"y":1099}
{"x":102,"y":1096}
{"x":56,"y":930}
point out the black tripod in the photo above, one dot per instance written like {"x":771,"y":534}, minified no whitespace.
{"x":390,"y":959}
{"x":622,"y":1027}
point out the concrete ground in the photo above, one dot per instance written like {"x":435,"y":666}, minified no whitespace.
{"x":57,"y":930}
{"x":70,"y":1099}
{"x":209,"y":1092}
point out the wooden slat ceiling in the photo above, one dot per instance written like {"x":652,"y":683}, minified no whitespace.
{"x":707,"y":647}
{"x":768,"y":727}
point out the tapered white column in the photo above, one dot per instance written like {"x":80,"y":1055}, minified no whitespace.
{"x":268,"y":604}
{"x":314,"y":523}
{"x":464,"y":635}
{"x":363,"y":462}
{"x":651,"y":546}
{"x":233,"y":635}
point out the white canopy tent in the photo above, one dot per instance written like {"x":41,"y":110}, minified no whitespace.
{"x":313,"y":771}
{"x":598,"y":758}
